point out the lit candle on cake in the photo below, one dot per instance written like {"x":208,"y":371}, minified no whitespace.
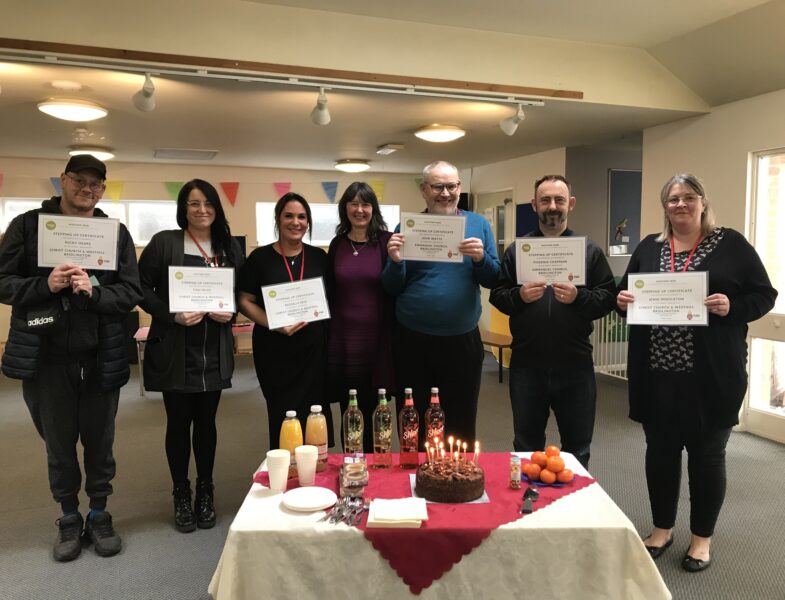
{"x":476,"y":453}
{"x":464,"y":450}
{"x":451,"y":440}
{"x":441,"y":449}
{"x":427,"y":452}
{"x":458,"y":443}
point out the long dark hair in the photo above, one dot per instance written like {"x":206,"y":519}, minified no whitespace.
{"x":363,"y":191}
{"x":292,"y":197}
{"x":220,"y":234}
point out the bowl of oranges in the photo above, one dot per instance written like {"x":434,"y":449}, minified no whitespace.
{"x":547,"y":468}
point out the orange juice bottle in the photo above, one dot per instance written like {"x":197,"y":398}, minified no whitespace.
{"x":291,"y":437}
{"x":316,"y":435}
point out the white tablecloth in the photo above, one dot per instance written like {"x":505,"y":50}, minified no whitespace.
{"x":581,"y":546}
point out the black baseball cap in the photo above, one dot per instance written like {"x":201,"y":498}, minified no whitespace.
{"x":86,"y":161}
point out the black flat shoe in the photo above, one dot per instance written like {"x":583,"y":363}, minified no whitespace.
{"x":656,"y":551}
{"x":693,"y":565}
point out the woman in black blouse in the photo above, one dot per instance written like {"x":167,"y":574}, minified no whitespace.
{"x":686,"y":384}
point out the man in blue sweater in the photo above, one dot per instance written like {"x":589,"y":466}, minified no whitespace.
{"x":437,"y":308}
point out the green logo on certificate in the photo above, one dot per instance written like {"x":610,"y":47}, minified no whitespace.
{"x":525,"y":247}
{"x":178,"y":275}
{"x":50,"y":225}
{"x":639,"y":283}
{"x":272,"y":294}
{"x":410,"y":222}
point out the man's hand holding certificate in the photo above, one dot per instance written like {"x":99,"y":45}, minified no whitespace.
{"x":196,"y":289}
{"x":295,"y":302}
{"x":668,"y":298}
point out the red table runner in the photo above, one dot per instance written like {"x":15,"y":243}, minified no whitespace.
{"x":421,"y":556}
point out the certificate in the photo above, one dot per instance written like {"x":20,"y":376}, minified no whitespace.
{"x":432,"y":237}
{"x":551,"y":259}
{"x":88,"y":242}
{"x":290,"y":303}
{"x":201,"y":289}
{"x":668,"y":298}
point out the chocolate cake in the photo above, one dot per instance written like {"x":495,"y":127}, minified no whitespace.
{"x":445,"y":480}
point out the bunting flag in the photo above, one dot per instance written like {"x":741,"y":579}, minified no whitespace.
{"x":377,"y":186}
{"x":230,"y":189}
{"x":57,"y":185}
{"x":173,"y":188}
{"x":114,"y":189}
{"x":282,"y":187}
{"x":330,"y":187}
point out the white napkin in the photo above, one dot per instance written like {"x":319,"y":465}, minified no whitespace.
{"x":401,"y":512}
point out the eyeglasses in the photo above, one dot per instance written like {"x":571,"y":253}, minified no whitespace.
{"x":438,"y":188}
{"x":686,"y":198}
{"x":81,"y":183}
{"x":355,"y":205}
{"x":199,"y":206}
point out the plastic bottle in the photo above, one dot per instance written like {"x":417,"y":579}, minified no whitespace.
{"x":408,"y":430}
{"x":434,"y":419}
{"x":316,"y":435}
{"x":382,"y":433}
{"x":291,"y":437}
{"x":353,"y":426}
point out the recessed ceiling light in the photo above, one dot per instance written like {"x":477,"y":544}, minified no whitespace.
{"x":352,"y":165}
{"x":99,"y":152}
{"x":440,"y":133}
{"x":72,"y":110}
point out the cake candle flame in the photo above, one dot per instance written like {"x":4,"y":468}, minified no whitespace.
{"x":451,"y":440}
{"x":476,"y":453}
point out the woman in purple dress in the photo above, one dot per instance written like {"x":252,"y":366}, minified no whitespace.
{"x":362,"y":315}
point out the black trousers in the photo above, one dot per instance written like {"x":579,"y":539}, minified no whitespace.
{"x":676,"y":426}
{"x":184,"y":410}
{"x":451,"y":363}
{"x":67,"y":405}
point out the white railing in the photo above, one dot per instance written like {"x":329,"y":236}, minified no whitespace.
{"x":609,"y":340}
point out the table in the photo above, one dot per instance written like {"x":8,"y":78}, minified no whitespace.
{"x":141,"y":338}
{"x":581,"y":546}
{"x":500,"y":341}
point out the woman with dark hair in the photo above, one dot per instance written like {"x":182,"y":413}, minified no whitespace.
{"x":189,"y":356}
{"x":686,"y":384}
{"x":290,"y":361}
{"x":362,"y":314}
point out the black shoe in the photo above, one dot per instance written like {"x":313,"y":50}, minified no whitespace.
{"x":693,"y":565}
{"x":68,"y":545}
{"x":656,"y":551}
{"x":100,"y":532}
{"x":184,"y":518}
{"x":204,"y":505}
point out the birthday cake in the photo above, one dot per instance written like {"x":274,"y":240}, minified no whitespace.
{"x":451,"y":481}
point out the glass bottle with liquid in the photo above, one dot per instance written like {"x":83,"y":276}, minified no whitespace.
{"x":434,"y":419}
{"x":316,"y":435}
{"x":408,"y":430}
{"x":353,"y":426}
{"x":382,"y":433}
{"x":291,"y":437}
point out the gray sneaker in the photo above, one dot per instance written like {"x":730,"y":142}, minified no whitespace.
{"x":68,"y":545}
{"x":100,"y":532}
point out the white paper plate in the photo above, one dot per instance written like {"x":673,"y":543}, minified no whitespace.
{"x":309,"y":499}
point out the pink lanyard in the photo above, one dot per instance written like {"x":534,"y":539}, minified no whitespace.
{"x":689,"y":258}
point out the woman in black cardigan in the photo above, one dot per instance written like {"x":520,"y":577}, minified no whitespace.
{"x":189,"y":356}
{"x":686,"y":384}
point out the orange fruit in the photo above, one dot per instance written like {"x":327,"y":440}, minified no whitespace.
{"x":552,"y":451}
{"x":555,"y":464}
{"x":539,"y":458}
{"x":547,"y":476}
{"x":565,"y":476}
{"x":534,"y":472}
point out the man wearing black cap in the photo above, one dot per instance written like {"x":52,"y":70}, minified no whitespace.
{"x":67,"y":344}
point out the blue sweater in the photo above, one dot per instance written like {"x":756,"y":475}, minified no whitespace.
{"x":440,"y":298}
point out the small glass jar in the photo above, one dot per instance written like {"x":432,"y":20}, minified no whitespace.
{"x":515,"y":472}
{"x":354,"y":477}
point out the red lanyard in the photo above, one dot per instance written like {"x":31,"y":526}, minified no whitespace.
{"x":211,"y":261}
{"x":286,"y":264}
{"x":689,"y":258}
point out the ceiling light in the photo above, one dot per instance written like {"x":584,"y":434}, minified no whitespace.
{"x":143,"y":99}
{"x":387,"y":149}
{"x":72,"y":110}
{"x":440,"y":133}
{"x":352,"y":165}
{"x":320,"y":115}
{"x":510,"y":124}
{"x":99,"y":152}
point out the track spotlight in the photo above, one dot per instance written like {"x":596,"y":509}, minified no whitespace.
{"x":510,"y":124}
{"x":320,"y":115}
{"x":144,"y":99}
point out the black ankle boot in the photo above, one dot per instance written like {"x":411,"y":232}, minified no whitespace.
{"x":204,"y":505}
{"x":184,"y":519}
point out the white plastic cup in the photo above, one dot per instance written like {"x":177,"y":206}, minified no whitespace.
{"x":278,"y":468}
{"x":306,"y":463}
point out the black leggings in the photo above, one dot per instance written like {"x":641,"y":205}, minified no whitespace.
{"x":182,"y":409}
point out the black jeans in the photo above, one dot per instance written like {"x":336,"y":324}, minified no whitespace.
{"x":67,"y":405}
{"x":678,"y":425}
{"x":570,"y":393}
{"x":182,"y":411}
{"x":451,"y":363}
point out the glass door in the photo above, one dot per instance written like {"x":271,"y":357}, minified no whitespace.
{"x":764,"y":408}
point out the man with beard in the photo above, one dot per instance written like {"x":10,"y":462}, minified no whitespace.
{"x":551,"y":366}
